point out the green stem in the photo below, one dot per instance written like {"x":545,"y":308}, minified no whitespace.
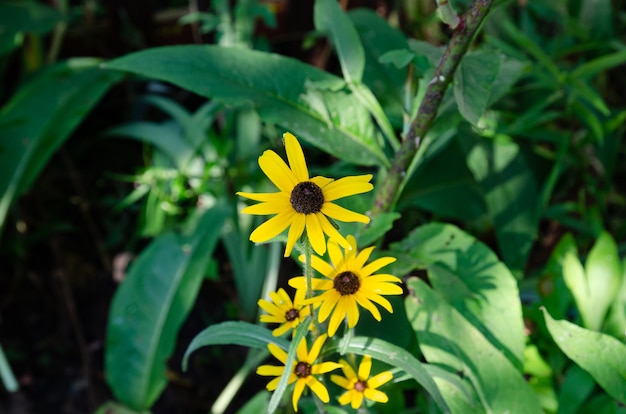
{"x":6,"y":374}
{"x":388,"y":192}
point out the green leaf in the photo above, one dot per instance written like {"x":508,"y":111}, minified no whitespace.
{"x":576,"y":387}
{"x":256,"y":404}
{"x":473,"y":82}
{"x":149,"y":307}
{"x":396,"y":357}
{"x":510,"y":191}
{"x":469,"y":276}
{"x":377,"y":228}
{"x":600,"y":64}
{"x":616,"y":320}
{"x":25,"y":17}
{"x":115,"y":408}
{"x":38,"y":119}
{"x":601,"y":355}
{"x":447,"y":338}
{"x":233,"y":333}
{"x":330,"y":18}
{"x":279,"y":88}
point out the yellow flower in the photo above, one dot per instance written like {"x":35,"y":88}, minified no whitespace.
{"x":303,"y":202}
{"x":360,"y":385}
{"x":283,"y":311}
{"x":349,"y":282}
{"x":302,"y":372}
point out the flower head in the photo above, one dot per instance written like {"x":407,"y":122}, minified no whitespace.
{"x":302,"y":372}
{"x":360,"y":385}
{"x":349,"y":282}
{"x":303,"y":202}
{"x":283,"y":311}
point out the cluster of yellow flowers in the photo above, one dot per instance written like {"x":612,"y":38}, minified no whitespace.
{"x":347,"y":281}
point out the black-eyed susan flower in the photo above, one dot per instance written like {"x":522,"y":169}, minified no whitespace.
{"x":359,"y":385}
{"x":348,"y":282}
{"x":302,"y":202}
{"x":303,"y":370}
{"x":282,"y":310}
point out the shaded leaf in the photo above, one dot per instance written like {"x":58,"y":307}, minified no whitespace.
{"x":278,"y":87}
{"x":473,"y":82}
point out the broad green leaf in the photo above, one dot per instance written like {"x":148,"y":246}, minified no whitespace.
{"x":555,"y":295}
{"x":604,"y":277}
{"x":397,"y":357}
{"x":149,"y":307}
{"x":443,"y":185}
{"x":510,"y":192}
{"x":377,"y":228}
{"x":616,"y":320}
{"x":233,"y":333}
{"x":473,"y":82}
{"x":471,"y":279}
{"x":600,"y":355}
{"x":330,"y":18}
{"x":40,"y":116}
{"x":385,"y":80}
{"x":447,"y":338}
{"x":24,"y":17}
{"x":282,"y":90}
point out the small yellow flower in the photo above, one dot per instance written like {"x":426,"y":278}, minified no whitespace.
{"x":349,"y":282}
{"x":303,"y":202}
{"x":360,"y":385}
{"x":302,"y":372}
{"x":283,"y":311}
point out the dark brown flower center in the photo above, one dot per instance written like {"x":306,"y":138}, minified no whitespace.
{"x":291,"y":315}
{"x":346,"y":283}
{"x":307,"y":197}
{"x":360,"y":386}
{"x":302,"y":370}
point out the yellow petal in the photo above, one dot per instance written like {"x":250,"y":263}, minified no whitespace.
{"x":352,"y":311}
{"x":267,"y":208}
{"x":277,"y":171}
{"x":324,"y":367}
{"x":342,"y":214}
{"x":348,"y":370}
{"x":341,"y":381}
{"x":315,"y":349}
{"x":348,"y":186}
{"x":367,"y":304}
{"x":377,"y":265}
{"x":381,"y":278}
{"x":297,"y":392}
{"x":278,"y":352}
{"x":380,"y":288}
{"x":271,"y":228}
{"x":379,"y":300}
{"x":295,"y":155}
{"x":282,"y":329}
{"x":270,"y":370}
{"x":329,"y":301}
{"x":322,"y":266}
{"x":273,"y":384}
{"x":295,"y":231}
{"x":267,"y":197}
{"x":375,"y":395}
{"x":346,"y":397}
{"x":298,"y":282}
{"x":337,"y":317}
{"x":268,"y":307}
{"x":380,"y":379}
{"x":315,"y":233}
{"x":335,"y":254}
{"x":365,"y":367}
{"x":321,"y":181}
{"x":357,"y":400}
{"x":332,"y":232}
{"x":302,"y":352}
{"x":318,"y":388}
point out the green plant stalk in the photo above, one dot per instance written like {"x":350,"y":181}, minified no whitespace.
{"x":8,"y":379}
{"x":387,"y":193}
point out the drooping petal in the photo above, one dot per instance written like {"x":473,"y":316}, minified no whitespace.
{"x":297,"y":392}
{"x":277,"y":171}
{"x":375,"y":395}
{"x":282,"y":329}
{"x":380,"y":379}
{"x":315,"y":233}
{"x":271,"y":228}
{"x":367,"y":304}
{"x":295,"y":155}
{"x":357,"y":400}
{"x":318,"y":388}
{"x":352,"y":310}
{"x":378,"y":299}
{"x":273,"y":384}
{"x":295,"y":231}
{"x":377,"y":265}
{"x":348,"y":186}
{"x":337,"y":212}
{"x":338,"y":315}
{"x":365,"y":368}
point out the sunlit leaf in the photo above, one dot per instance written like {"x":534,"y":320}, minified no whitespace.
{"x":473,"y":82}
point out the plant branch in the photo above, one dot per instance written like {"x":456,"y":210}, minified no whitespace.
{"x":388,"y":192}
